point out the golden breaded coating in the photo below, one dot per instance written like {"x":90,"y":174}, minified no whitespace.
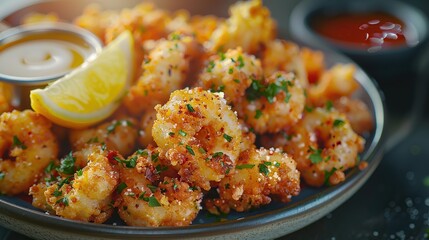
{"x":88,"y":197}
{"x":166,"y":69}
{"x":230,"y":72}
{"x":149,"y":199}
{"x":324,"y":146}
{"x":27,"y":145}
{"x":259,"y":175}
{"x":199,"y":134}
{"x":249,"y":26}
{"x":274,"y":104}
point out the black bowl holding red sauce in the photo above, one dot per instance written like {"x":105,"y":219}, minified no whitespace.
{"x":384,"y":37}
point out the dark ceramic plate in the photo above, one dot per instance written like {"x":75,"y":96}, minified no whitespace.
{"x":270,"y":221}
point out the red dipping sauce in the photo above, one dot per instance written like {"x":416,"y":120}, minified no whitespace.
{"x":372,"y":31}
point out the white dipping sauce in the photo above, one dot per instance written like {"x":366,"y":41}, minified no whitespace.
{"x":42,"y":57}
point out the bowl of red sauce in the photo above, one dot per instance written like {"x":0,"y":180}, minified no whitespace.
{"x":384,"y":37}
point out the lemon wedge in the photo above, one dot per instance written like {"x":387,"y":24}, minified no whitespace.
{"x":90,"y":93}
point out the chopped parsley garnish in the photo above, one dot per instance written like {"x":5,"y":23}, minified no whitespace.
{"x":67,"y":164}
{"x":64,"y":181}
{"x":245,"y":166}
{"x":219,"y":89}
{"x":221,"y":55}
{"x":308,"y":109}
{"x":63,"y":200}
{"x":263,"y":168}
{"x":2,"y":175}
{"x":175,"y":36}
{"x":201,"y":150}
{"x":328,"y":174}
{"x":258,"y":90}
{"x":51,"y":166}
{"x":316,"y":155}
{"x":92,"y":140}
{"x":121,"y":187}
{"x":227,"y":137}
{"x":111,"y":128}
{"x":143,"y":153}
{"x":152,"y":187}
{"x":18,"y":143}
{"x":329,"y":105}
{"x":161,"y":168}
{"x":190,"y":108}
{"x":155,"y":157}
{"x":338,"y":122}
{"x":230,"y":70}
{"x":240,"y":61}
{"x":210,"y":66}
{"x":79,"y":172}
{"x":189,"y":148}
{"x":277,"y":164}
{"x":182,"y":133}
{"x":57,"y":193}
{"x":153,"y":202}
{"x":217,"y":154}
{"x":127,"y":163}
{"x":258,"y":114}
{"x":171,"y":134}
{"x":236,"y":80}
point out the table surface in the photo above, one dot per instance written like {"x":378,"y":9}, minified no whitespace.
{"x":394,"y":203}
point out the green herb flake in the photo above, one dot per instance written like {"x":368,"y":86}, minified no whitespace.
{"x":329,"y":105}
{"x":155,"y":157}
{"x":189,"y":148}
{"x":143,"y":153}
{"x":182,"y":133}
{"x":2,"y":175}
{"x":190,"y":108}
{"x":217,"y":154}
{"x":79,"y":172}
{"x":67,"y":164}
{"x":171,"y":134}
{"x":153,"y":202}
{"x":244,"y":166}
{"x":51,"y":166}
{"x":121,"y":187}
{"x":230,"y":70}
{"x":161,"y":168}
{"x":201,"y":150}
{"x":152,"y":187}
{"x":328,"y":174}
{"x":236,"y":80}
{"x":222,"y":56}
{"x":210,"y":66}
{"x":57,"y":193}
{"x":18,"y":143}
{"x":63,"y":200}
{"x":338,"y":122}
{"x":175,"y":36}
{"x":64,"y":181}
{"x":277,"y":164}
{"x":240,"y":61}
{"x":111,"y":128}
{"x":263,"y":169}
{"x":308,"y":109}
{"x":132,"y":162}
{"x":258,"y":114}
{"x":316,"y":156}
{"x":92,"y":140}
{"x":227,"y":137}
